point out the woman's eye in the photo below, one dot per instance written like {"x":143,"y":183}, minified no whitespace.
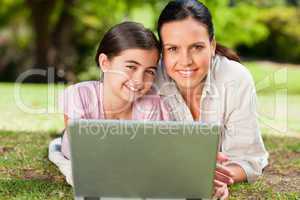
{"x":151,"y":72}
{"x":172,"y":49}
{"x":198,"y":47}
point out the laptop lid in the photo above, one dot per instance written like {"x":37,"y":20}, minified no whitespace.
{"x":143,"y":159}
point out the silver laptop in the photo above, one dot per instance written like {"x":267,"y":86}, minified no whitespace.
{"x":142,"y":159}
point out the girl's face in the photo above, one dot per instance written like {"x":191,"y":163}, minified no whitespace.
{"x":187,"y":52}
{"x":130,"y":75}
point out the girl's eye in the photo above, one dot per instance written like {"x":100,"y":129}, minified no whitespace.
{"x":130,"y":67}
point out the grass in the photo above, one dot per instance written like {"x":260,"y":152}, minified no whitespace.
{"x":271,"y":77}
{"x":26,"y":173}
{"x":24,"y":169}
{"x":281,"y":178}
{"x":278,"y":96}
{"x":33,"y":189}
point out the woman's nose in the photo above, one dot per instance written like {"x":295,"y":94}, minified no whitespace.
{"x":185,"y":58}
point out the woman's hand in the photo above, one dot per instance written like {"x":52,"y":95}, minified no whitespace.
{"x":228,"y":173}
{"x":223,"y":174}
{"x":221,"y":192}
{"x":223,"y":177}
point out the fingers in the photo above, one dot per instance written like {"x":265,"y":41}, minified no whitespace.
{"x":223,"y":178}
{"x":218,"y":183}
{"x":224,"y":170}
{"x":221,"y":157}
{"x":221,"y":192}
{"x":225,"y":195}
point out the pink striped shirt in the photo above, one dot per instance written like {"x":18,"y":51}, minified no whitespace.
{"x":85,"y":101}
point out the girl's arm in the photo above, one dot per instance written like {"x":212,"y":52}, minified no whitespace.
{"x":65,"y":142}
{"x":66,"y":120}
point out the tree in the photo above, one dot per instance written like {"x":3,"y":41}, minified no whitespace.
{"x":236,"y":23}
{"x":65,"y":32}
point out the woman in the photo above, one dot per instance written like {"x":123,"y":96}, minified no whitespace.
{"x":202,"y":80}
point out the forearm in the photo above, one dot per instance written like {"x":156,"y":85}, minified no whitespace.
{"x":239,"y":174}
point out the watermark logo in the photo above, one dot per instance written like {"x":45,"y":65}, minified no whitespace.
{"x":272,"y":101}
{"x":132,"y":130}
{"x":271,"y":106}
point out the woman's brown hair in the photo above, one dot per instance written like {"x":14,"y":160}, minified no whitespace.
{"x":180,"y":9}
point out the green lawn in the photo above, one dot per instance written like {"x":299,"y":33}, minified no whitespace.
{"x":25,"y":172}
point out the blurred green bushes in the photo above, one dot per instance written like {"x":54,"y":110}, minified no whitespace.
{"x":283,"y":40}
{"x":64,"y":34}
{"x":236,"y":24}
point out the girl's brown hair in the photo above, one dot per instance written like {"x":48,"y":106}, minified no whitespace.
{"x":126,"y":35}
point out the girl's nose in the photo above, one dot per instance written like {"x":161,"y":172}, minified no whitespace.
{"x":137,"y":82}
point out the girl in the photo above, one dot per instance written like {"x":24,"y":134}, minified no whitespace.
{"x":127,"y":55}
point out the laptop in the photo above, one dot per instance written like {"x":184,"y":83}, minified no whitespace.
{"x":142,"y":159}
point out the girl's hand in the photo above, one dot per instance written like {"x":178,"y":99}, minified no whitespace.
{"x":222,"y":173}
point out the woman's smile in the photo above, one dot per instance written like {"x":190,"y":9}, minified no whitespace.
{"x":187,"y":73}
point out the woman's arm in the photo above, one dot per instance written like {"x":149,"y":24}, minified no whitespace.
{"x":241,"y":136}
{"x":228,"y":174}
{"x":238,"y":172}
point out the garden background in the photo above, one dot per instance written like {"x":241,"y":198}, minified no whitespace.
{"x":58,"y":39}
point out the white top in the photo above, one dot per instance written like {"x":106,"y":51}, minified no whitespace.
{"x":228,"y":99}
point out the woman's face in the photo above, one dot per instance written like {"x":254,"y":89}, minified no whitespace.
{"x":187,"y":52}
{"x":130,"y":75}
